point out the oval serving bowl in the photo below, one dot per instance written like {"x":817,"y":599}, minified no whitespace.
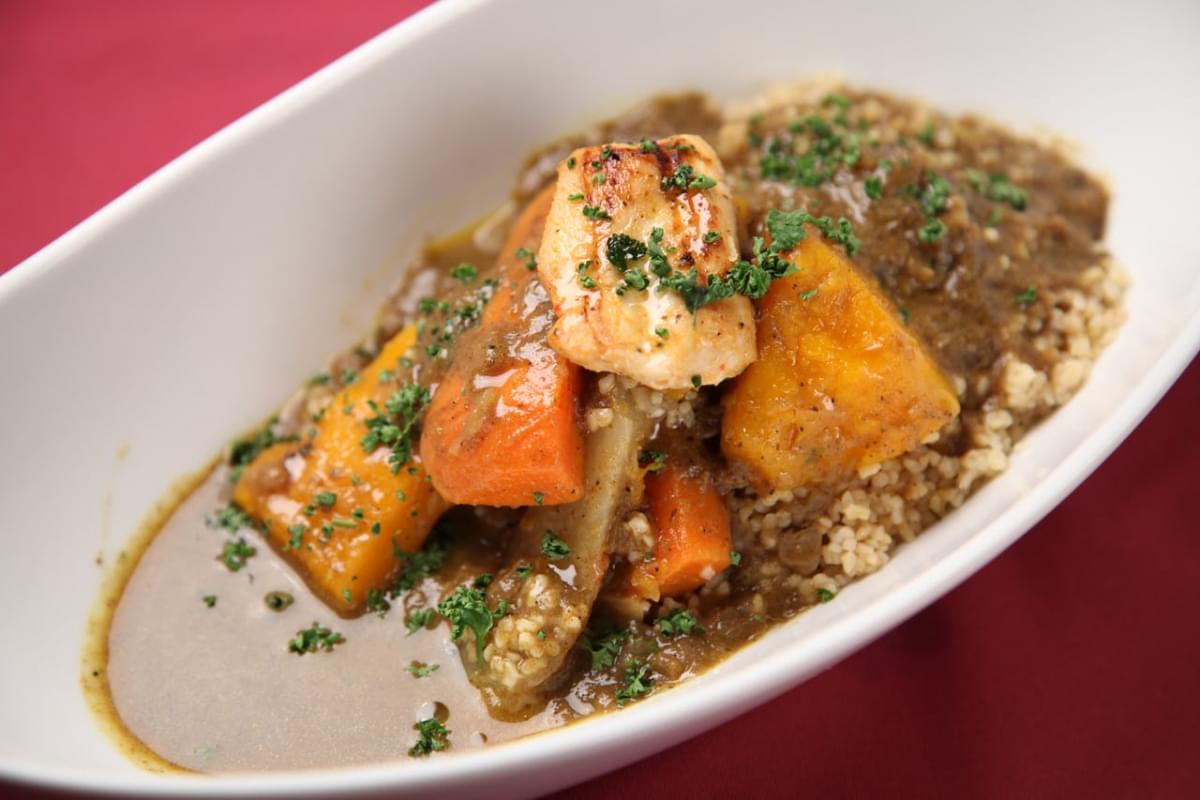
{"x":186,"y":310}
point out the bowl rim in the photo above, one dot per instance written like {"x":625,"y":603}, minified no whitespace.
{"x":659,"y":716}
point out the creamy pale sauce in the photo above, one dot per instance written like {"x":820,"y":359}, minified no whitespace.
{"x":216,"y":690}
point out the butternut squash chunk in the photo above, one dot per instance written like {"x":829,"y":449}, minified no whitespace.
{"x":337,"y":512}
{"x":839,"y":384}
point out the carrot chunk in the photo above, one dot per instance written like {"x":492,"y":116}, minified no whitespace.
{"x":333,"y":505}
{"x":502,"y":428}
{"x":694,"y":539}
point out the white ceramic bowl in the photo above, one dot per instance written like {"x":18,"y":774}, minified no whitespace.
{"x":187,"y":309}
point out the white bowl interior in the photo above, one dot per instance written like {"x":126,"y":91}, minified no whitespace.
{"x":188,"y":309}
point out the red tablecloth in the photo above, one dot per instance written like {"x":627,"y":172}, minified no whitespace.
{"x":1068,"y":667}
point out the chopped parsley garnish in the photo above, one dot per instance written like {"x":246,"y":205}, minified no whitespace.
{"x":581,"y":271}
{"x":684,"y":178}
{"x":1027,"y":296}
{"x":810,"y":294}
{"x":998,"y":188}
{"x":420,"y":565}
{"x":571,"y":162}
{"x":314,"y":639}
{"x":934,"y":197}
{"x":538,"y":498}
{"x":431,"y":735}
{"x":662,"y":333}
{"x":638,"y":683}
{"x":595,"y":212}
{"x":349,"y":376}
{"x":653,"y":461}
{"x":210,"y":600}
{"x":523,"y":571}
{"x":377,"y":602}
{"x":712,"y":236}
{"x":419,"y":669}
{"x":320,"y":379}
{"x":678,"y":622}
{"x":873,"y":186}
{"x":826,"y":151}
{"x":696,"y":381}
{"x":230,"y":518}
{"x":467,"y":608}
{"x":604,"y":650}
{"x":394,"y":425}
{"x":735,"y":558}
{"x":243,"y":451}
{"x":576,"y":197}
{"x":235,"y":552}
{"x":834,"y":99}
{"x":824,"y":595}
{"x":622,"y":249}
{"x":418,"y":619}
{"x":553,"y":547}
{"x":325,"y":499}
{"x":483,"y":580}
{"x":278,"y":601}
{"x":649,"y":146}
{"x":295,"y":536}
{"x":933,"y":230}
{"x":528,"y":256}
{"x":926,"y":134}
{"x":348,"y":595}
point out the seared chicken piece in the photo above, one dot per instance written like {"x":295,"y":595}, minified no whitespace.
{"x":623,"y":218}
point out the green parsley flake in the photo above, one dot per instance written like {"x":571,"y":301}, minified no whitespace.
{"x":528,"y":257}
{"x":431,"y":736}
{"x":662,"y":333}
{"x":712,"y":236}
{"x":394,"y":425}
{"x":933,"y":230}
{"x":810,"y":294}
{"x":210,"y":600}
{"x":377,"y":602}
{"x":325,"y":499}
{"x":553,"y":547}
{"x":418,"y":619}
{"x":638,"y":683}
{"x":653,"y":461}
{"x":581,"y":272}
{"x":419,"y":669}
{"x":595,"y":212}
{"x":523,"y":571}
{"x":685,"y":178}
{"x":824,"y":595}
{"x":538,"y":498}
{"x":314,"y":639}
{"x":1027,"y":296}
{"x":735,"y":558}
{"x":678,"y":622}
{"x":604,"y":650}
{"x":235,"y":553}
{"x":576,"y":197}
{"x":230,"y":518}
{"x":467,"y":608}
{"x":873,"y":186}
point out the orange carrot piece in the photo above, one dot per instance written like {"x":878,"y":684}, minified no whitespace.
{"x":694,"y":539}
{"x":336,"y":512}
{"x":503,"y":430}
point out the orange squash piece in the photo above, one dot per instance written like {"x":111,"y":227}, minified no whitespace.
{"x":335,"y":511}
{"x":839,"y":384}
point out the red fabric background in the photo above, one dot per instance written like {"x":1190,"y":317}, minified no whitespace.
{"x":1067,"y":667}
